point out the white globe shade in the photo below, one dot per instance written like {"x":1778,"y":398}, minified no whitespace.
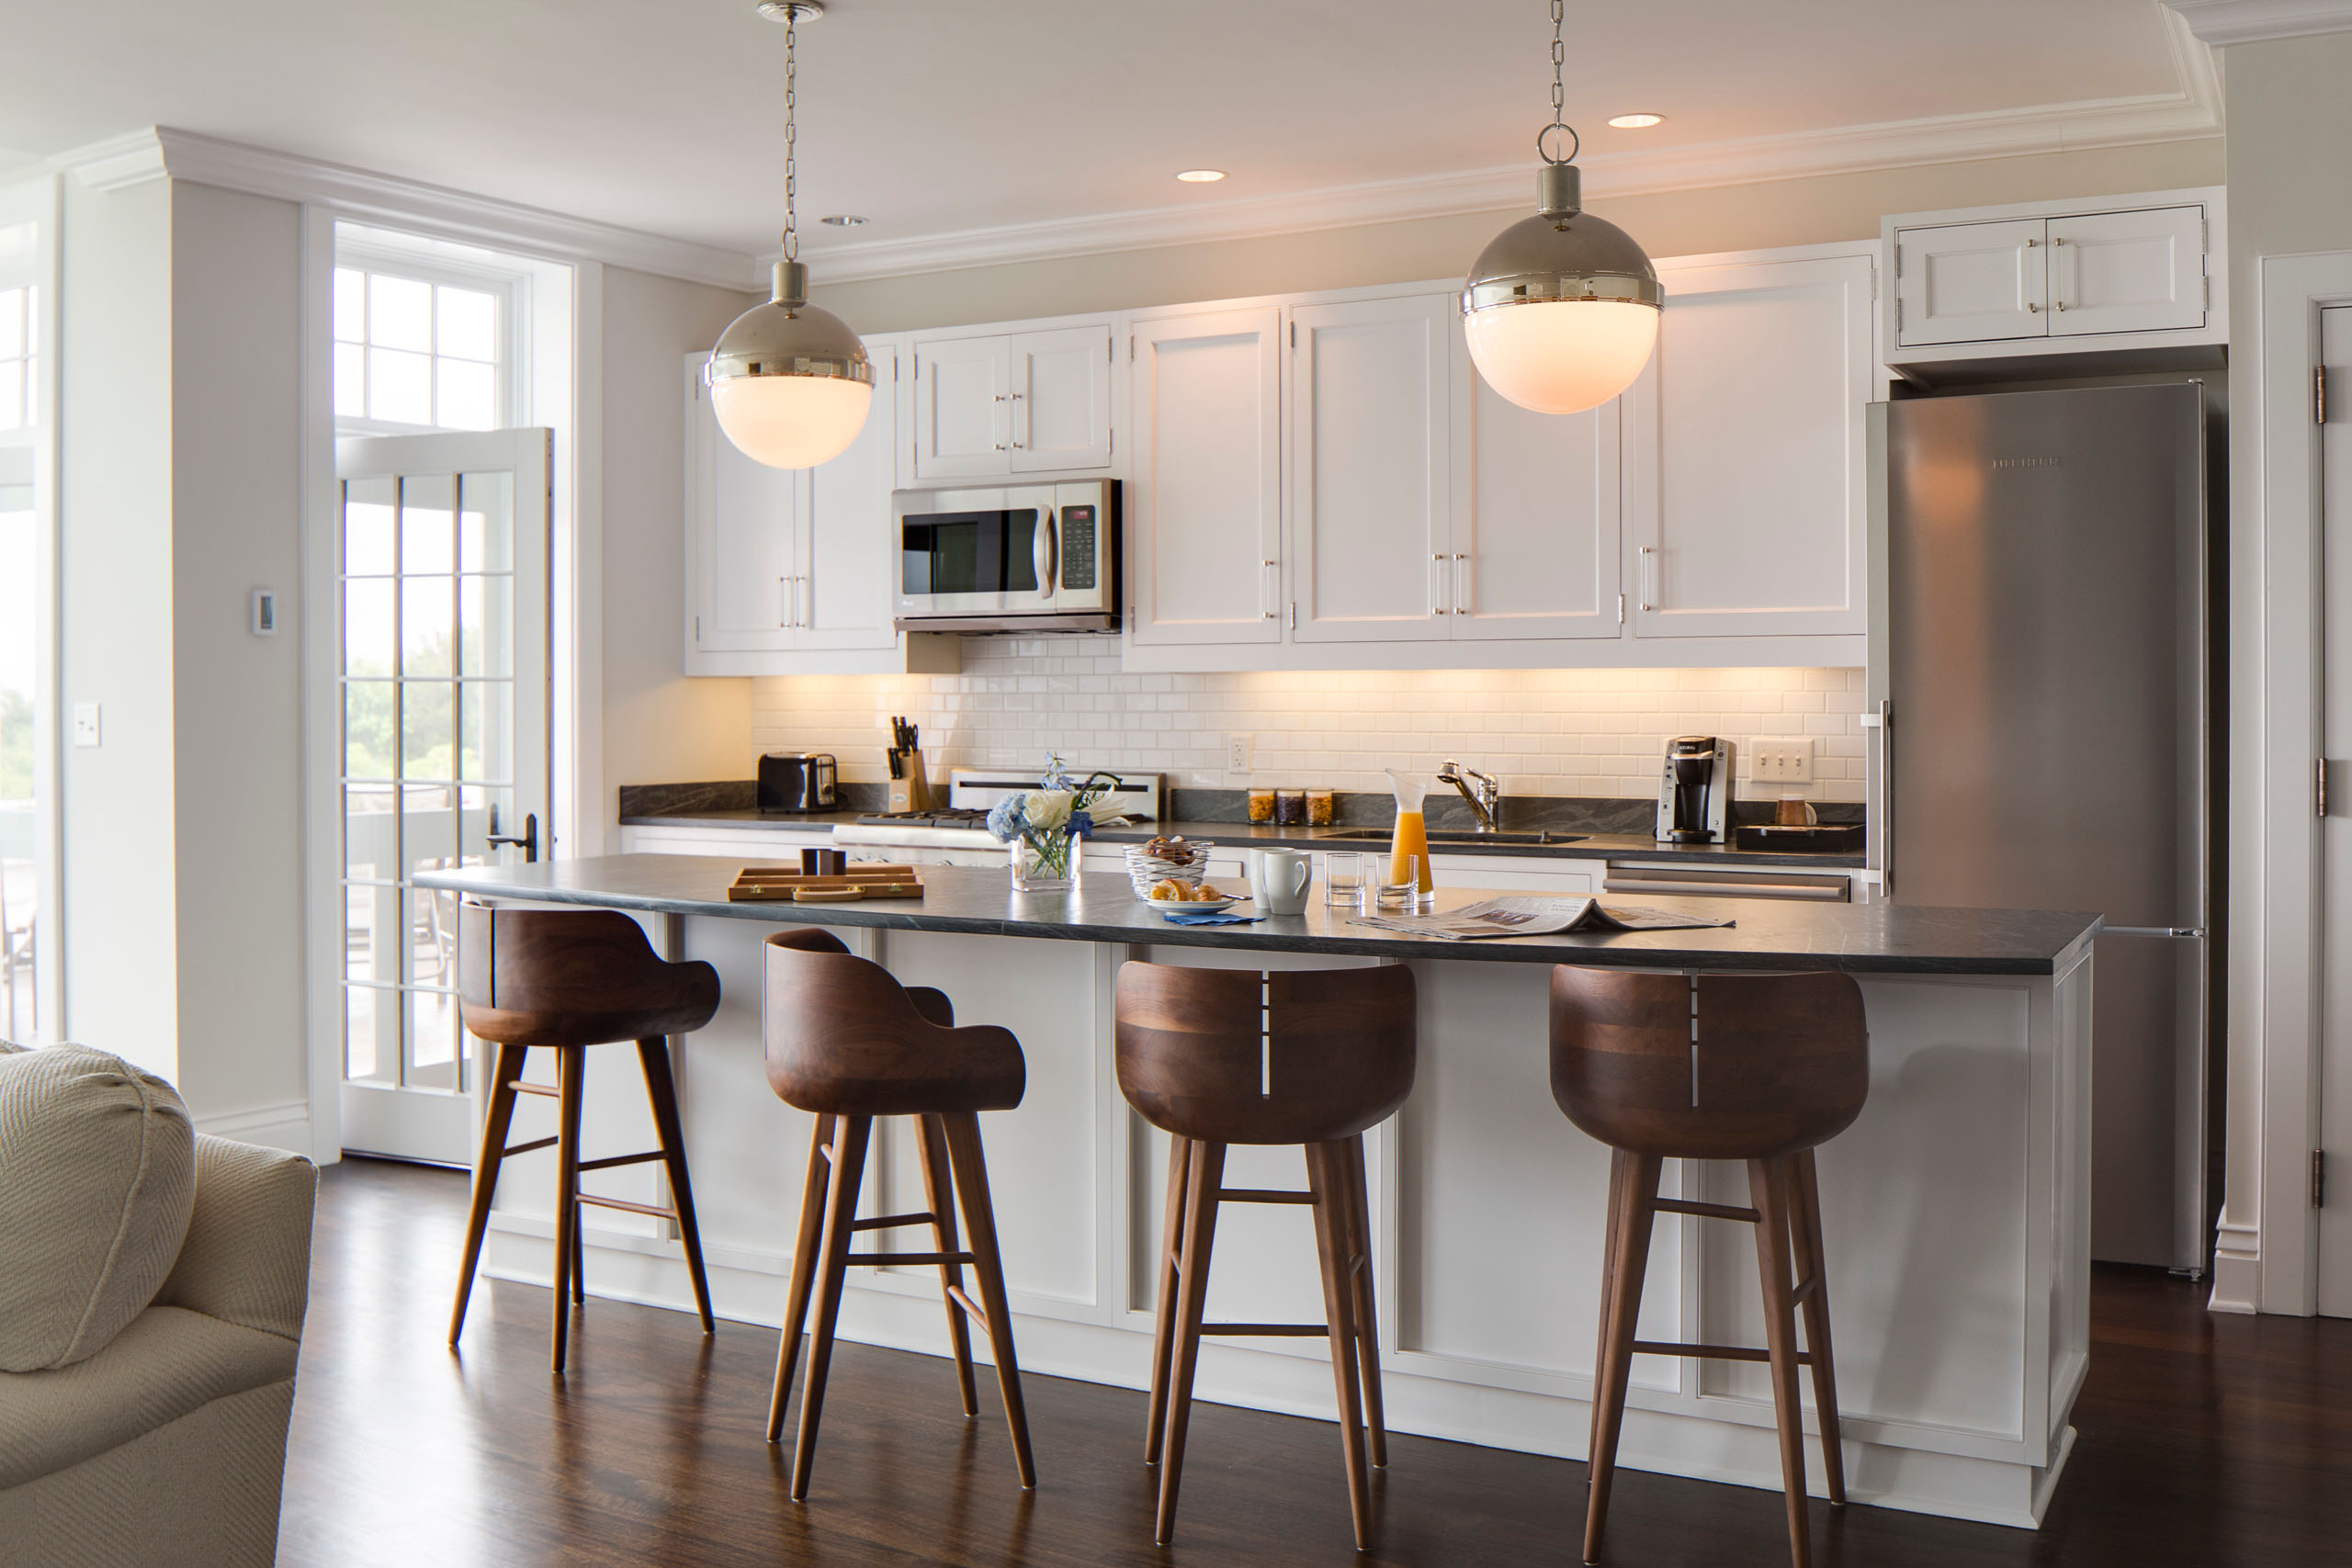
{"x":790,"y":421}
{"x":1562,"y":356}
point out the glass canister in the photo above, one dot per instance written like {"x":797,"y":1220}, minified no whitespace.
{"x":1261,"y":806}
{"x":1322,"y":807}
{"x":1290,"y":808}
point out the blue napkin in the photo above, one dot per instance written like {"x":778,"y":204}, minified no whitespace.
{"x":1219,"y":918}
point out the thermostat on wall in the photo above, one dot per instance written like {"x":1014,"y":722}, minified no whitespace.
{"x":265,"y":622}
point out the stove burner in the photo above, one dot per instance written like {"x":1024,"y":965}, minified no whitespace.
{"x":943,"y":816}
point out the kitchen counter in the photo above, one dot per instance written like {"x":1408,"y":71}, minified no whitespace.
{"x":1955,"y":1211}
{"x":1593,"y":846}
{"x":1861,"y":939}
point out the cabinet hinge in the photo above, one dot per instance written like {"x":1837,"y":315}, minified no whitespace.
{"x":1294,"y":615}
{"x":1620,"y":609}
{"x":2319,"y":786}
{"x":2319,"y":394}
{"x":697,"y":628}
{"x":1898,"y":317}
{"x":1109,"y":349}
{"x":2319,"y":1178}
{"x":1131,"y":348}
{"x":1293,"y":335}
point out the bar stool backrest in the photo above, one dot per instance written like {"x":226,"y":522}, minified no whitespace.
{"x":572,"y":977}
{"x":844,"y":1038}
{"x":1708,"y":1066}
{"x":1289,"y":1056}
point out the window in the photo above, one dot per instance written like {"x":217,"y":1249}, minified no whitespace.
{"x":19,"y":330}
{"x":27,"y":877}
{"x":413,"y":351}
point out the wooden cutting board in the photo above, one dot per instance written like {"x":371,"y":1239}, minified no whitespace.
{"x":781,"y":885}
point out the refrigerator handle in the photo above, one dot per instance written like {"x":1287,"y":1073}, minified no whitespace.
{"x":1884,"y":722}
{"x":2189,"y":932}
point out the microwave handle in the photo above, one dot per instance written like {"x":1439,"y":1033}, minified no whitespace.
{"x":1044,"y":553}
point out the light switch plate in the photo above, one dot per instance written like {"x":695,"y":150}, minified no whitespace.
{"x":85,"y":724}
{"x":1780,"y":759}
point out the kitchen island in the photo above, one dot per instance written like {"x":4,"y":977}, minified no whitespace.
{"x":1956,"y":1208}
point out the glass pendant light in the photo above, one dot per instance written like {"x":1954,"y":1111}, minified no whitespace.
{"x":789,"y":381}
{"x":1562,"y":309}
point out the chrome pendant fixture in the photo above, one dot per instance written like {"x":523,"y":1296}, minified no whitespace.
{"x":789,"y":381}
{"x":1562,"y":309}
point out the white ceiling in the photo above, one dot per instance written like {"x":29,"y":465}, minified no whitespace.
{"x":933,"y":117}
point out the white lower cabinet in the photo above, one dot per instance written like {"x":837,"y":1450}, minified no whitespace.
{"x":790,"y":570}
{"x":1746,"y":453}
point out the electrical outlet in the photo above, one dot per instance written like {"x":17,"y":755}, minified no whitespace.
{"x":1237,"y":753}
{"x":1780,"y":759}
{"x":85,"y":724}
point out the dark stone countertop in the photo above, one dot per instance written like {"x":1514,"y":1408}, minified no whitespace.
{"x":1864,"y":939}
{"x":1591,"y":846}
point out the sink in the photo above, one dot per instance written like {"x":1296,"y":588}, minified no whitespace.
{"x":1458,"y":837}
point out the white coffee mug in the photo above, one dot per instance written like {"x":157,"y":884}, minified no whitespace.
{"x":1278,"y":880}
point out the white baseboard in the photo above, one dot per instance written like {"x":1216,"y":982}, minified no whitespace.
{"x":2237,"y":1268}
{"x":286,"y":1126}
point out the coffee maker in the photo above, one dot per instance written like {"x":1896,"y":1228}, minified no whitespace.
{"x":1694,"y":791}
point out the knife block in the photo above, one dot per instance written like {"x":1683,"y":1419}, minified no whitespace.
{"x":911,"y":793}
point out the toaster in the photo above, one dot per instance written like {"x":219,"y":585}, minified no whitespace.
{"x":797,"y":781}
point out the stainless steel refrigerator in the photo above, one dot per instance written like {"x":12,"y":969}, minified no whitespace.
{"x":2040,"y":666}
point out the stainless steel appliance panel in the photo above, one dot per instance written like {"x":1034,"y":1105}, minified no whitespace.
{"x":2044,"y":662}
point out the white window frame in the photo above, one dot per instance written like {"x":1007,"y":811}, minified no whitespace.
{"x":459,"y":267}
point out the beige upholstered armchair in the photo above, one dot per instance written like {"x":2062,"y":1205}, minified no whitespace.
{"x":153,"y":1427}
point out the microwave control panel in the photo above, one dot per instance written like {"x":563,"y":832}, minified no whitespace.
{"x":1078,"y":534}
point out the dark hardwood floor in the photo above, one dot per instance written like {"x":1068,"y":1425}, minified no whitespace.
{"x":2205,"y":1441}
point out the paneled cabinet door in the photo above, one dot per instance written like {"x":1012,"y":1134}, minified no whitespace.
{"x":1061,"y":399}
{"x":1537,"y":515}
{"x":1971,"y":283}
{"x":742,"y":527}
{"x":2128,"y":271}
{"x":963,"y":407}
{"x":1746,"y":453}
{"x":1204,"y":494}
{"x":1371,"y":433}
{"x":847,"y":554}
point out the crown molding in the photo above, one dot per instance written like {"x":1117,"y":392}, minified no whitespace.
{"x":394,"y":202}
{"x":2191,"y":111}
{"x":2219,"y":22}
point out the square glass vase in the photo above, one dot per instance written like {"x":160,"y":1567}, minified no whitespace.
{"x":1043,"y":867}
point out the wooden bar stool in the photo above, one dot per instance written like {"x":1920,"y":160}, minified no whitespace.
{"x":1220,"y":1056}
{"x":568,"y":980}
{"x":847,"y":1042}
{"x":1755,"y":1067}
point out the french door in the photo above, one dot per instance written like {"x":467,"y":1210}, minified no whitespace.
{"x":442,"y":653}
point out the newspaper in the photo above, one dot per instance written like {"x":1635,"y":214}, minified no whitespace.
{"x":1535,"y":917}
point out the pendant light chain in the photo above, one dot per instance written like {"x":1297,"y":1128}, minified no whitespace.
{"x":792,"y":132}
{"x":1560,"y":91}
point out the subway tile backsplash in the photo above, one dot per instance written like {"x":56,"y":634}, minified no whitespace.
{"x":1578,"y":732}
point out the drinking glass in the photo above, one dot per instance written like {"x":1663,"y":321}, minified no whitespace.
{"x":1343,"y":878}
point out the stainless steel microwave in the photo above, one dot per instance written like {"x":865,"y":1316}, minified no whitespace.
{"x":1017,"y":557}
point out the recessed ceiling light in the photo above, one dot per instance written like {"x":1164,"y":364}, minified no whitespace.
{"x":841,"y":220}
{"x":1200,"y":176}
{"x":1636,"y":121}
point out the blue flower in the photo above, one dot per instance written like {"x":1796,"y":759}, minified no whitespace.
{"x":1008,"y":818}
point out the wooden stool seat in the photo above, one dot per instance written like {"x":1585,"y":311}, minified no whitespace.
{"x":846,"y":1041}
{"x":567,"y":979}
{"x":1215,"y":1057}
{"x":1755,"y":1067}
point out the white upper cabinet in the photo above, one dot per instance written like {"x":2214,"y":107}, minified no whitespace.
{"x":2127,"y":271}
{"x":788,"y":570}
{"x":1011,"y":402}
{"x":1371,"y":436}
{"x":1204,"y":490}
{"x":1746,"y":493}
{"x":1536,"y":514}
{"x":2057,"y":277}
{"x":1966,"y":282}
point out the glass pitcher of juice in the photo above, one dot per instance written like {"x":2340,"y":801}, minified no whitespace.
{"x":1412,"y":835}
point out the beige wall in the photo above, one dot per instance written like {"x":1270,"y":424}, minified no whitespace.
{"x":659,"y":726}
{"x":1670,"y":223}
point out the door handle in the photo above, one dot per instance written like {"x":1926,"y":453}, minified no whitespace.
{"x":2185,"y":931}
{"x":528,"y":843}
{"x":1886,"y":799}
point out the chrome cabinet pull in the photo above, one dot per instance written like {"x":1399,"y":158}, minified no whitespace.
{"x":1269,"y":588}
{"x":1649,"y":577}
{"x":1437,"y":585}
{"x":1461,"y":583}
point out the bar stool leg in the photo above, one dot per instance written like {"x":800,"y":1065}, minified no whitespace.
{"x":507,"y":1069}
{"x":570,"y":1064}
{"x":1806,"y":1220}
{"x":1163,"y":1333}
{"x":1619,"y":1169}
{"x":1358,"y":1198}
{"x":662,"y":1094}
{"x":803,"y":1269}
{"x":1771,"y":1194}
{"x":1326,"y":1178}
{"x":1629,"y":1260}
{"x":1204,"y":1176}
{"x":841,"y":1211}
{"x":938,"y":1193}
{"x":971,"y":1173}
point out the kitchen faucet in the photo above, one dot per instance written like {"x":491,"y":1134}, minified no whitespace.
{"x":1488,"y":800}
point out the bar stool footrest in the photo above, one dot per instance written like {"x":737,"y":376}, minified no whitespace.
{"x":551,"y":1091}
{"x":611,"y":1160}
{"x":1705,"y":1211}
{"x":1713,"y":1352}
{"x":884,"y":1259}
{"x":1262,"y":1195}
{"x":891,"y":1222}
{"x":655,"y":1209}
{"x":972,"y":1309}
{"x":1268,"y":1330}
{"x":526,"y":1148}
